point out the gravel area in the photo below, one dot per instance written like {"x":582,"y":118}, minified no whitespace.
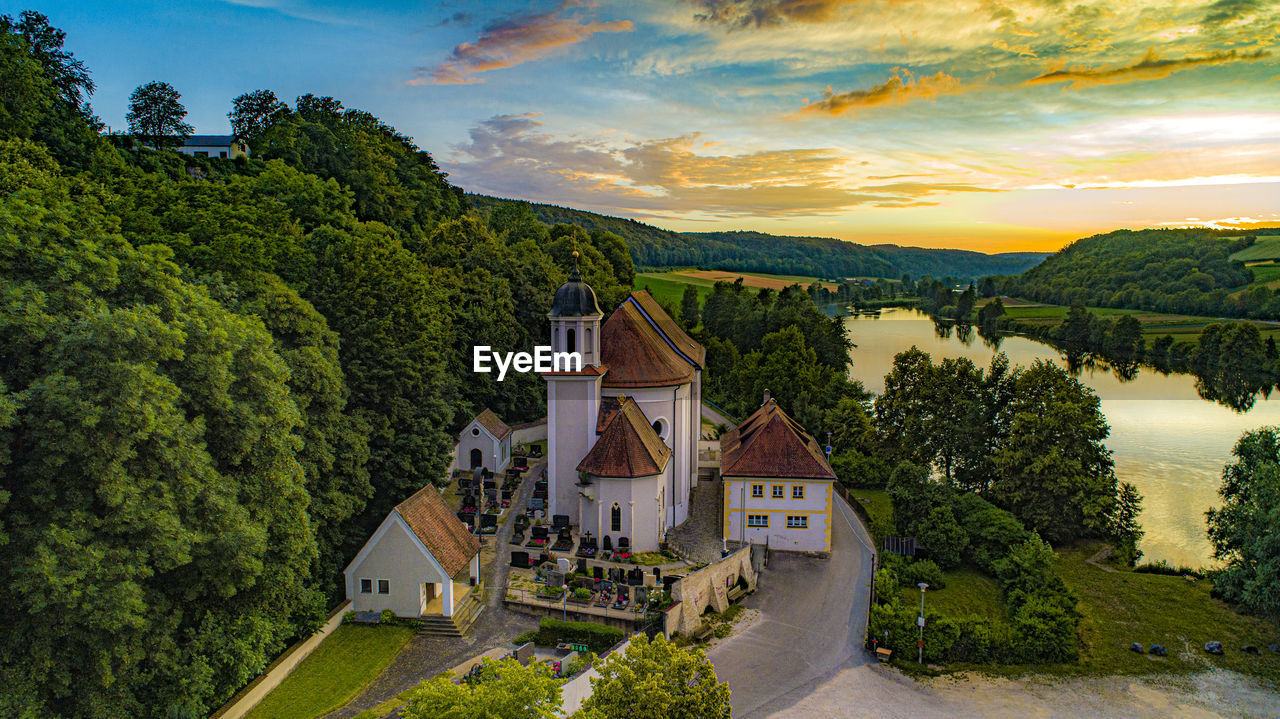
{"x":876,"y":691}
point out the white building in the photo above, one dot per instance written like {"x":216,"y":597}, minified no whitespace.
{"x":227,"y":147}
{"x":420,"y":562}
{"x":777,"y":483}
{"x":639,"y":365}
{"x":484,"y":442}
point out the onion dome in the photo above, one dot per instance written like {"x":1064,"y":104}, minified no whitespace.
{"x":575,"y":298}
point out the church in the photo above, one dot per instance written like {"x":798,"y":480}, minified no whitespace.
{"x":622,"y":431}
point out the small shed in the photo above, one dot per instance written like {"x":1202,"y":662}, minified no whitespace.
{"x":420,"y":562}
{"x":484,"y":442}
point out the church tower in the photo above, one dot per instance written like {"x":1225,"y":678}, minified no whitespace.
{"x":573,"y":398}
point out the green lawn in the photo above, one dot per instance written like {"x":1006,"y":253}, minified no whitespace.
{"x":668,"y":287}
{"x":1183,"y":328}
{"x":877,"y":508}
{"x":335,"y":672}
{"x":1266,"y":248}
{"x":1124,"y":607}
{"x":969,"y":592}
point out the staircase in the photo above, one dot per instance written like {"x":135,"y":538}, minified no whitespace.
{"x":464,"y":615}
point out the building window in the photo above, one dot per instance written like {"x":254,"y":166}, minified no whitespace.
{"x":366,"y":586}
{"x":573,"y":340}
{"x":223,"y":155}
{"x":757,"y":490}
{"x":797,"y":491}
{"x":475,"y":431}
{"x":384,"y":586}
{"x":779,"y":492}
{"x":758,"y":520}
{"x":615,"y":518}
{"x":660,"y":428}
{"x":798,"y":522}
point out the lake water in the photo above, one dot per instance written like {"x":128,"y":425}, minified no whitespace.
{"x":1165,"y":439}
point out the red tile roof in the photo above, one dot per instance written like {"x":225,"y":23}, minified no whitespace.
{"x":496,"y":427}
{"x":636,"y":353}
{"x":683,"y":342}
{"x":609,"y":406}
{"x":771,"y":444}
{"x":445,"y":536}
{"x":628,"y":447}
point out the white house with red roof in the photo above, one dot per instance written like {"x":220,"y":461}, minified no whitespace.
{"x":484,"y":442}
{"x":622,"y":432}
{"x":778,"y":486}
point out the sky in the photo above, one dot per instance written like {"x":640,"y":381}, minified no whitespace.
{"x":992,"y":125}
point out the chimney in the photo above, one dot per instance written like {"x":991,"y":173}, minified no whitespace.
{"x":767,"y":397}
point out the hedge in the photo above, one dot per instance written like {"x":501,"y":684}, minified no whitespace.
{"x":597,"y":637}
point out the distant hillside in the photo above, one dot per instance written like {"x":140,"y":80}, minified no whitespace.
{"x":761,"y":252}
{"x":1189,"y":271}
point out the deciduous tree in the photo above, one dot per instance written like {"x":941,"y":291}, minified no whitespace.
{"x":654,"y":679}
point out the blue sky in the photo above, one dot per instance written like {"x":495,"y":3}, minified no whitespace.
{"x":987,"y":124}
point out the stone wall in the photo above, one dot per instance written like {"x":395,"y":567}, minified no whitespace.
{"x":708,"y":586}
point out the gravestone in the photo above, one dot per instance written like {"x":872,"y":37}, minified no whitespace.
{"x":520,"y":560}
{"x":597,"y":572}
{"x":555,"y":578}
{"x":563,"y":565}
{"x":560,"y":521}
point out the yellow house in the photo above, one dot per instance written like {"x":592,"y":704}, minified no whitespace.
{"x":778,"y":485}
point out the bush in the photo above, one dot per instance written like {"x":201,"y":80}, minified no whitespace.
{"x":924,"y":570}
{"x":582,"y":594}
{"x":942,"y":538}
{"x":1163,"y":567}
{"x":859,"y":470}
{"x":597,"y":637}
{"x":525,"y":638}
{"x":387,"y":617}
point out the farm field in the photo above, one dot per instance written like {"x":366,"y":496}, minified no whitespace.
{"x":1266,"y":248}
{"x":668,"y":286}
{"x":1183,"y":328}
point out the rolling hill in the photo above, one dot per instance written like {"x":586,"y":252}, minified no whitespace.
{"x":744,"y":251}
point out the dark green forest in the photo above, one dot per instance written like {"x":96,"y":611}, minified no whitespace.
{"x":777,"y":254}
{"x":219,"y":375}
{"x":1186,"y":271}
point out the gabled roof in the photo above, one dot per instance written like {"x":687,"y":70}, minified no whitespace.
{"x":490,"y":421}
{"x":636,"y":353}
{"x":687,"y":346}
{"x":628,"y":447}
{"x":444,"y":535}
{"x":771,"y":444}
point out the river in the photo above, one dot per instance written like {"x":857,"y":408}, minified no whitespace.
{"x":1165,"y":439}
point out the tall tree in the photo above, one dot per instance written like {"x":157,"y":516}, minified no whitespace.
{"x":45,"y":43}
{"x":163,"y":552}
{"x":251,"y":113}
{"x":654,"y":679}
{"x":1053,"y":471}
{"x":1125,"y":530}
{"x":156,"y":114}
{"x":1245,"y":530}
{"x":690,"y":308}
{"x":503,"y":688}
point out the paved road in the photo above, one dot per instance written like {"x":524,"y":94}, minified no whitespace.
{"x":812,"y":616}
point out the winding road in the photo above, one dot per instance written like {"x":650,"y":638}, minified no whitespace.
{"x":813,"y":613}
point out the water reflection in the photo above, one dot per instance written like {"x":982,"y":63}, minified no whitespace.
{"x":1165,"y":438}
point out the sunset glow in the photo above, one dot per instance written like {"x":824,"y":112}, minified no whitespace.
{"x":984,"y":124}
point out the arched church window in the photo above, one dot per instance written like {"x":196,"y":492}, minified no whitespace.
{"x":572,"y":341}
{"x":615,"y":518}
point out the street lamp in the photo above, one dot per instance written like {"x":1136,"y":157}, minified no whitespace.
{"x":920,"y":621}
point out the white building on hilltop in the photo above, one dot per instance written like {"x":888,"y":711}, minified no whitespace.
{"x":623,"y":431}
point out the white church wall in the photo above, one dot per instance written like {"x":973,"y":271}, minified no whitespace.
{"x":572,"y":406}
{"x":638,"y":500}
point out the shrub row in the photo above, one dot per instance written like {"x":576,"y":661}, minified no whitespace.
{"x":597,"y":637}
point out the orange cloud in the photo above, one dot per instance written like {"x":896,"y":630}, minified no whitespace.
{"x":1150,"y":67}
{"x":901,"y":88}
{"x":513,"y":42}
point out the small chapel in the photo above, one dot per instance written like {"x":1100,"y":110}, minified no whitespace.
{"x":622,"y":431}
